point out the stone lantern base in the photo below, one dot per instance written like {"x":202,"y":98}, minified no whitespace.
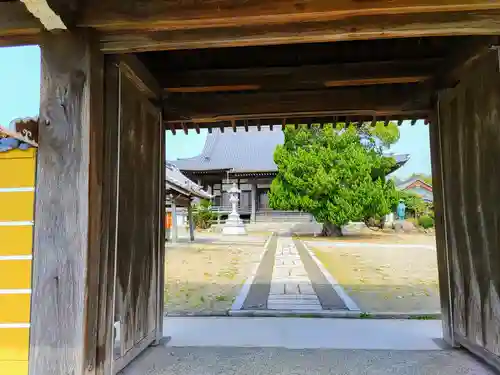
{"x":234,"y":225}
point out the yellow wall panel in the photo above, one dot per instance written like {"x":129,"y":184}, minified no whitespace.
{"x":17,"y":206}
{"x":16,"y":240}
{"x":15,"y":308}
{"x":14,"y":367}
{"x":18,"y":169}
{"x":15,"y":274}
{"x":14,"y":344}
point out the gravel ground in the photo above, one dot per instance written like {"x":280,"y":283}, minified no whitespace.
{"x":207,"y":275}
{"x":270,"y":361}
{"x":384,"y":279}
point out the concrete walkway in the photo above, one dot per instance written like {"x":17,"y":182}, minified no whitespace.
{"x":283,"y":346}
{"x":305,"y":333}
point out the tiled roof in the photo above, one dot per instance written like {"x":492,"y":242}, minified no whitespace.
{"x":251,"y":151}
{"x":177,"y":181}
{"x":239,"y":151}
{"x":414,"y":181}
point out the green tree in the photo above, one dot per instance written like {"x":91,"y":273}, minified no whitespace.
{"x":203,"y":214}
{"x":387,"y":135}
{"x":336,"y":173}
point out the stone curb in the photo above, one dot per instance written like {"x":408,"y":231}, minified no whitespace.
{"x":196,"y":314}
{"x":335,"y":314}
{"x":309,"y":314}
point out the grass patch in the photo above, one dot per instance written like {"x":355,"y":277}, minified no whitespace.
{"x":385,"y":279}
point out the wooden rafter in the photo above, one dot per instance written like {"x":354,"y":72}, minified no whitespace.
{"x":315,"y":76}
{"x":385,"y":99}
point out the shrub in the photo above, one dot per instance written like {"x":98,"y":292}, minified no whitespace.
{"x":203,"y":215}
{"x":426,"y":221}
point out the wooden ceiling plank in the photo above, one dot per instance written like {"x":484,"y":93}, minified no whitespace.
{"x":355,"y":28}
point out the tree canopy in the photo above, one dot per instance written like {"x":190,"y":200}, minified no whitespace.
{"x":336,"y":173}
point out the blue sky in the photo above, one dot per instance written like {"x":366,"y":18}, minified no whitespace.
{"x":20,"y":97}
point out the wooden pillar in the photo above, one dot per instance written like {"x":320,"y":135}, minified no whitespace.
{"x":161,"y":239}
{"x":253,"y":217}
{"x":190,"y":221}
{"x":443,"y":258}
{"x":67,"y":233}
{"x":175,"y":234}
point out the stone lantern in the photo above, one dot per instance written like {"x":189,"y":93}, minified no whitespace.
{"x":234,"y":225}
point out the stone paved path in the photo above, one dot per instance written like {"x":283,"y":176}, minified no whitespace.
{"x":291,"y":288}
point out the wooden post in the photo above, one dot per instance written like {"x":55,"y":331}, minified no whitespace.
{"x":160,"y":307}
{"x":443,"y":260}
{"x":253,"y":218}
{"x":67,"y":233}
{"x":175,"y":235}
{"x":190,"y":221}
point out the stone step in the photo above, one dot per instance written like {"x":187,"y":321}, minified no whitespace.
{"x":293,"y":297}
{"x":294,"y":307}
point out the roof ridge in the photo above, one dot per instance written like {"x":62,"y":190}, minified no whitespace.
{"x":207,"y":152}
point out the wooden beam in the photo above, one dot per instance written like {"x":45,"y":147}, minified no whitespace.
{"x":456,"y":23}
{"x":172,"y":14}
{"x":17,"y":25}
{"x":44,"y":11}
{"x":68,"y":226}
{"x":214,"y":107}
{"x":316,"y":76}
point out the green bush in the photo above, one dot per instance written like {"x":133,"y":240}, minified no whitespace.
{"x":203,"y":215}
{"x":426,"y":221}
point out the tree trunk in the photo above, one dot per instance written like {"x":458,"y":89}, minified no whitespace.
{"x":331,"y":230}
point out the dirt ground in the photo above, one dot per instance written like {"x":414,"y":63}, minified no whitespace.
{"x":384,"y":278}
{"x":207,"y":275}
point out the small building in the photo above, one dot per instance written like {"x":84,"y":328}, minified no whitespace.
{"x":418,"y":187}
{"x":244,"y":158}
{"x":181,"y":192}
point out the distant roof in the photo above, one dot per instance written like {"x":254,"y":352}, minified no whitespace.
{"x":251,"y":151}
{"x":414,"y":182}
{"x":175,"y":180}
{"x":21,"y":133}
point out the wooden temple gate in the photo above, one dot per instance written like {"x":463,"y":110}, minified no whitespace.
{"x":466,"y":151}
{"x":99,"y":206}
{"x":93,"y":190}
